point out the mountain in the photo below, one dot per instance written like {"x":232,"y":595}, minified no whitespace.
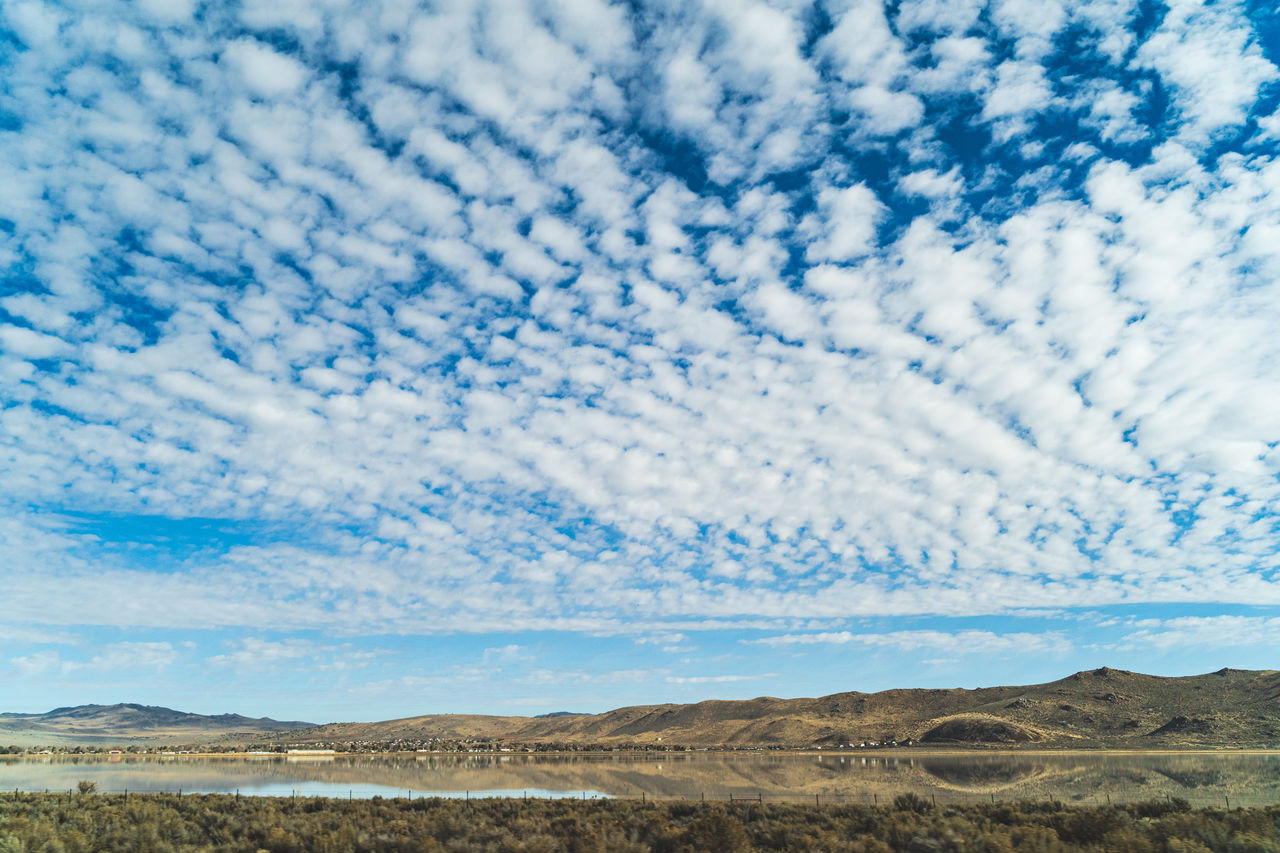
{"x":1102,"y":708}
{"x":130,"y":723}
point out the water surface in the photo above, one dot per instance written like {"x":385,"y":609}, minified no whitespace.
{"x":1200,"y":778}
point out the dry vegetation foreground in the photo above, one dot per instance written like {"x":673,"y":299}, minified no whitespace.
{"x":162,"y":822}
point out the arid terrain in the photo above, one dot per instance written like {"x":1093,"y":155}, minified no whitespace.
{"x":1102,"y":708}
{"x":1098,"y":709}
{"x":122,"y":724}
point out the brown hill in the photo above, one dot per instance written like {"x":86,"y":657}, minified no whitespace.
{"x":130,"y":723}
{"x":1103,"y":708}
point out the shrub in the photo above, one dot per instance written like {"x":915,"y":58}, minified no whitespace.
{"x":912,"y":802}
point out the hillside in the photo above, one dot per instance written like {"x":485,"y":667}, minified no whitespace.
{"x":1103,"y":708}
{"x":130,"y":723}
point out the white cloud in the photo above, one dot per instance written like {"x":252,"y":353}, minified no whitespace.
{"x":1200,"y":632}
{"x":36,"y":663}
{"x":21,"y":634}
{"x":1111,"y":111}
{"x":929,"y":183}
{"x":848,"y":223}
{"x":1032,"y":25}
{"x":957,"y":642}
{"x":519,"y":329}
{"x":255,"y":653}
{"x":872,"y":62}
{"x":29,"y":343}
{"x":1020,"y":91}
{"x":34,"y":23}
{"x":113,"y":657}
{"x":1212,"y":61}
{"x":508,"y":654}
{"x":263,"y":70}
{"x":662,"y":639}
{"x":717,"y":679}
{"x":129,"y":656}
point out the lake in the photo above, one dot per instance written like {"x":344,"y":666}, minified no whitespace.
{"x":864,"y":777}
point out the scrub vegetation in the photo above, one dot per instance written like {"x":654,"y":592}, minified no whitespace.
{"x":166,"y":823}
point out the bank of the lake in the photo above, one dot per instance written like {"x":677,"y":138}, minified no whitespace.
{"x":1202,"y":779}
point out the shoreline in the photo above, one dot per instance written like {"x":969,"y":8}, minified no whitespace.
{"x":890,"y":752}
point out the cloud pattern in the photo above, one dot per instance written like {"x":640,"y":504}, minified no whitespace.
{"x":660,"y":317}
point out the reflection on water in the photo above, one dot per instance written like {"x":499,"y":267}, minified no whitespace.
{"x":983,"y":774}
{"x":1082,"y":777}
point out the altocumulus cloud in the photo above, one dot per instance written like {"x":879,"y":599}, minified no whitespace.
{"x":638,"y":318}
{"x":960,"y":642}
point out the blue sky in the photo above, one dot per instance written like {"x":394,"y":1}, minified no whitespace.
{"x":359,"y":361}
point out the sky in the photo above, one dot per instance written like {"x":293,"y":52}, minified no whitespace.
{"x":363,"y":360}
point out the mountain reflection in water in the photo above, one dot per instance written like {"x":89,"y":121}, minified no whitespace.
{"x":850,"y":777}
{"x":982,"y":774}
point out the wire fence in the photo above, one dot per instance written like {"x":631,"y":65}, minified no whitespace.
{"x":1201,"y":800}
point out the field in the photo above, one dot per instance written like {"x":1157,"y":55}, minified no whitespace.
{"x":88,"y":822}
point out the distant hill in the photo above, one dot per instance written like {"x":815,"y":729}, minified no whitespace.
{"x":130,"y":723}
{"x":1102,"y":708}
